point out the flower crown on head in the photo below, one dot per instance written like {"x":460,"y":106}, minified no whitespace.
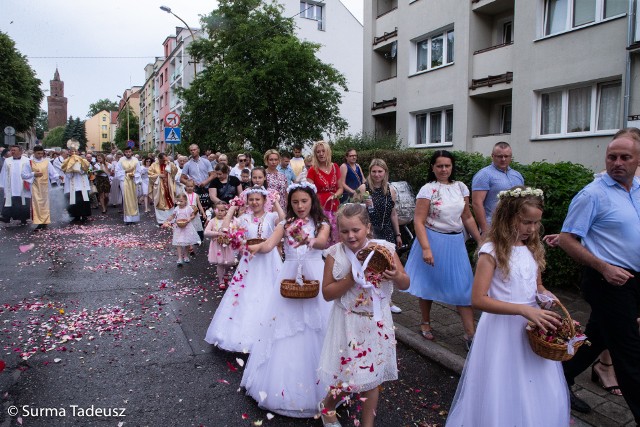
{"x":521,"y":192}
{"x":303,"y":184}
{"x":262,"y":191}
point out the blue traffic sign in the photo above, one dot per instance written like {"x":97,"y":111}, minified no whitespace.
{"x":172,"y":135}
{"x":131,"y":144}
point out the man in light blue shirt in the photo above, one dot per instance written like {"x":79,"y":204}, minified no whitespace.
{"x":491,"y":180}
{"x":606,"y":216}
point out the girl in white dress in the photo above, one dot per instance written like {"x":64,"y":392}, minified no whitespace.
{"x":361,"y":314}
{"x":235,"y":322}
{"x":504,"y":383}
{"x":182,"y":236}
{"x":143,"y":187}
{"x":281,"y":373}
{"x":193,"y":200}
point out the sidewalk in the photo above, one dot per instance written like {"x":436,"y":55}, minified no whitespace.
{"x":449,"y":350}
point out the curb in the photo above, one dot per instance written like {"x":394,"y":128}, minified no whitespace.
{"x":429,"y":349}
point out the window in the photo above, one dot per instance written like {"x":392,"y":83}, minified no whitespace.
{"x":505,"y":118}
{"x":564,"y":15}
{"x":104,"y":118}
{"x":434,"y":51}
{"x":313,"y":11}
{"x":434,"y":127}
{"x":579,"y":110}
{"x":104,"y":136}
{"x":507,"y":32}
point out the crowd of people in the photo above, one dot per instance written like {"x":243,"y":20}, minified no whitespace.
{"x":304,"y":220}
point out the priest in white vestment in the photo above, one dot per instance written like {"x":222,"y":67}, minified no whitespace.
{"x":128,"y":172}
{"x":17,"y":194}
{"x":40,"y":173}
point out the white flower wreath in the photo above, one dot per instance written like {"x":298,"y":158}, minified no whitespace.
{"x":303,"y":184}
{"x":520,"y":192}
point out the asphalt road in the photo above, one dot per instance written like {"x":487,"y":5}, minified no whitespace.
{"x":98,"y":327}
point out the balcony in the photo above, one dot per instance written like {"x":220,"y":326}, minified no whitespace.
{"x":490,"y":73}
{"x":485,"y":143}
{"x":386,"y":23}
{"x":385,"y":89}
{"x":491,"y":7}
{"x":384,"y":7}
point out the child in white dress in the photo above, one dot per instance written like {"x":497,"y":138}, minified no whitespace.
{"x":182,"y":236}
{"x":504,"y":383}
{"x":281,"y":373}
{"x":220,"y":254}
{"x":193,"y":200}
{"x":235,"y":322}
{"x":360,"y":331}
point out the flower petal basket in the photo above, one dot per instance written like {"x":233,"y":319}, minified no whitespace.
{"x":182,"y":223}
{"x":551,"y":350}
{"x":381,"y":260}
{"x":254,"y":241}
{"x":289,"y":288}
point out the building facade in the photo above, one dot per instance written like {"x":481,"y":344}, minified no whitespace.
{"x":340,"y":35}
{"x":130,"y":101}
{"x":56,"y":102}
{"x":99,"y":131}
{"x":554,"y":78}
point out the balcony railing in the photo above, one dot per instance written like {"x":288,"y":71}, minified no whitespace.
{"x":488,"y":49}
{"x":492,"y":80}
{"x":385,"y":103}
{"x":385,"y":36}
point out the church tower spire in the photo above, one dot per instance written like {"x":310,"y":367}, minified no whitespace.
{"x":56,"y":102}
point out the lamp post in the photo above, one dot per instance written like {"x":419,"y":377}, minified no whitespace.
{"x":193,"y":37}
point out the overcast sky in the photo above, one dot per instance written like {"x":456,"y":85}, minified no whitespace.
{"x":69,"y":34}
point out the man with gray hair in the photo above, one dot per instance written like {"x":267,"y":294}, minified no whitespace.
{"x":491,"y":180}
{"x":200,"y":171}
{"x":602,"y":232}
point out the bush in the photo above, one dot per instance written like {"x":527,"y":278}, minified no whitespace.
{"x":364,"y":142}
{"x":559,"y":181}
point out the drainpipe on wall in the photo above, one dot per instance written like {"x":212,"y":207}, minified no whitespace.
{"x":627,"y":78}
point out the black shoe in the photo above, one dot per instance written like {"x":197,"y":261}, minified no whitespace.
{"x":41,"y":226}
{"x":578,"y":404}
{"x":23,"y":222}
{"x":5,"y":220}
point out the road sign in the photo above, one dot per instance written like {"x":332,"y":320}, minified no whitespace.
{"x":172,"y":135}
{"x":172,"y":119}
{"x":131,"y":144}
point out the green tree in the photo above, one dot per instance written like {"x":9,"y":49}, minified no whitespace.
{"x":69,"y":129}
{"x":20,"y":93}
{"x":102,"y":104}
{"x":55,"y":138}
{"x":121,"y":133}
{"x":80,"y":133}
{"x":261,"y":85}
{"x":42,"y":124}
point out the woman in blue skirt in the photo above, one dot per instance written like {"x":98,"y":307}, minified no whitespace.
{"x":438,"y":264}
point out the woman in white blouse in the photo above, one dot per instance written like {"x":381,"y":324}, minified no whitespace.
{"x":438,"y":264}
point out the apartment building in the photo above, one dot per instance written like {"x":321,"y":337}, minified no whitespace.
{"x":147,"y":103}
{"x":554,"y":78}
{"x":340,"y":35}
{"x":98,"y":130}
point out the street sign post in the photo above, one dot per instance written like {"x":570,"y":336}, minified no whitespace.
{"x":172,"y":119}
{"x":172,"y":135}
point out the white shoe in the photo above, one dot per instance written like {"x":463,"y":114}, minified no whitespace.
{"x":395,"y":309}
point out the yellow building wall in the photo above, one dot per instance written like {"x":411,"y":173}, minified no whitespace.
{"x":98,"y":130}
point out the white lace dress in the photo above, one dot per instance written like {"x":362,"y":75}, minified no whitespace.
{"x":281,"y":373}
{"x":504,"y":383}
{"x":236,"y":321}
{"x":359,"y":353}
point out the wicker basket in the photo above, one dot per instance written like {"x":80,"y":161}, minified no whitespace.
{"x":223,"y":240}
{"x":254,"y":241}
{"x":381,"y":260}
{"x":289,"y":288}
{"x":548,"y":350}
{"x":182,"y":223}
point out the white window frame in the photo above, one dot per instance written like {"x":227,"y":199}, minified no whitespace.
{"x":444,"y":32}
{"x":427,"y":131}
{"x":599,"y":17}
{"x":503,"y":111}
{"x":306,"y":6}
{"x":564,"y":116}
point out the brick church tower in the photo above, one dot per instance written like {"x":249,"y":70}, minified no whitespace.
{"x":57,"y":103}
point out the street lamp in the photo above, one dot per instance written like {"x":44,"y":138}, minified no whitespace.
{"x":193,"y":37}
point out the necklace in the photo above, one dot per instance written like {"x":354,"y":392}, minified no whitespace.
{"x":260,"y":221}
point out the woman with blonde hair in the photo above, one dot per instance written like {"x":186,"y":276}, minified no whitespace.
{"x":276,"y":180}
{"x":381,"y":203}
